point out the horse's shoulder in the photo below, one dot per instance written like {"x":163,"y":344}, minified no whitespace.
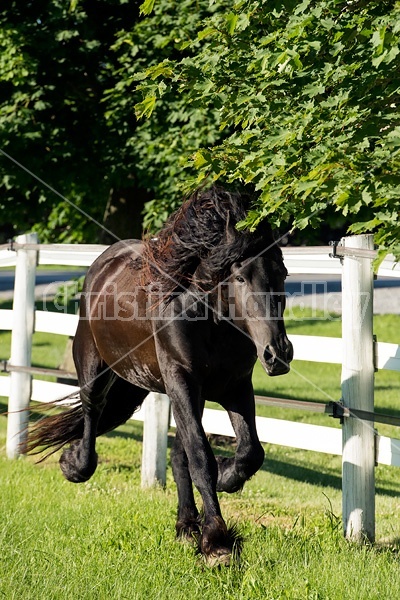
{"x":125,"y":250}
{"x":115,"y":260}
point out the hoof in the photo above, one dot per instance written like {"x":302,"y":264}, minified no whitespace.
{"x":228,"y":479}
{"x":188,"y":532}
{"x":189,"y":539}
{"x":222,"y":557}
{"x":70,"y":467}
{"x":220,"y":548}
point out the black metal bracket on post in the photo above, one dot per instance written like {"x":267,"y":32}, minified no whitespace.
{"x":338,"y":411}
{"x":11,"y":245}
{"x":335,"y":244}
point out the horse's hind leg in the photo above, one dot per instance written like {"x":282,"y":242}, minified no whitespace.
{"x":79,"y":461}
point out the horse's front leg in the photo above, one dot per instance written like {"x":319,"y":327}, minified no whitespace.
{"x":215,"y":543}
{"x":234,"y":472}
{"x":188,"y":521}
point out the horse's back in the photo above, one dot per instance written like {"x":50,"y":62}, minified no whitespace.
{"x":119,"y":256}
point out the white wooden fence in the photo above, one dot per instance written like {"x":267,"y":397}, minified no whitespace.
{"x":359,"y":355}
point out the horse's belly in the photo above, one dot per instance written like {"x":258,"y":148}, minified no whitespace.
{"x":143,"y":375}
{"x":130,"y":352}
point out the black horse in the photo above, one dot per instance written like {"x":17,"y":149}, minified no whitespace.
{"x":186,"y":314}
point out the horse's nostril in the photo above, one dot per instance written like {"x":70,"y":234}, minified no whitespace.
{"x":269,"y":355}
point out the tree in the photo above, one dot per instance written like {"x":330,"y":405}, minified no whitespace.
{"x":307,"y":101}
{"x":67,"y":98}
{"x":159,"y":147}
{"x":298,"y":99}
{"x":55,"y":64}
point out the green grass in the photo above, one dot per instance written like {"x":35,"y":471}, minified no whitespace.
{"x":107,"y":538}
{"x":110,"y":539}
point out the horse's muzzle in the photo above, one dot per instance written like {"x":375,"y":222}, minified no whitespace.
{"x":277,"y":359}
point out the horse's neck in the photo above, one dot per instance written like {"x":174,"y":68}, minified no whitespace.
{"x":211,"y":295}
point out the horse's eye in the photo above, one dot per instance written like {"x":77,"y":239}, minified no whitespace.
{"x":239,"y":278}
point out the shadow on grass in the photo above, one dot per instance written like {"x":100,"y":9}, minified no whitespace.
{"x":304,"y":474}
{"x":298,"y":472}
{"x":297,"y":323}
{"x":6,"y":304}
{"x":301,"y":473}
{"x":117,"y":468}
{"x":131,"y":435}
{"x":390,"y":544}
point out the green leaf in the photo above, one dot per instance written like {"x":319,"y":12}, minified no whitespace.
{"x":146,"y":107}
{"x":147,"y":7}
{"x":378,"y":40}
{"x":366,"y":196}
{"x":314,"y":89}
{"x":302,"y":7}
{"x":243,"y":21}
{"x":365,"y":226}
{"x":231,"y":20}
{"x":377,"y":60}
{"x":302,"y":223}
{"x":206,"y":32}
{"x":72,"y":5}
{"x":163,"y":69}
{"x":199,"y":160}
{"x":306,"y":185}
{"x":393,"y":138}
{"x":391,"y":55}
{"x":342,"y":198}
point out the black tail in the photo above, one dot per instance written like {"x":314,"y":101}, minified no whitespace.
{"x":55,"y":431}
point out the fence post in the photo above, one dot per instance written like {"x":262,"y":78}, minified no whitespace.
{"x":21,"y":344}
{"x":358,"y":459}
{"x":155,"y":437}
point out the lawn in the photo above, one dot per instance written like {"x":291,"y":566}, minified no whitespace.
{"x":107,"y":538}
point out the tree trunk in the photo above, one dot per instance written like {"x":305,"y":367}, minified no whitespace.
{"x":123,"y":214}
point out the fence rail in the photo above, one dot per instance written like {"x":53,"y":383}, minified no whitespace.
{"x":299,"y":259}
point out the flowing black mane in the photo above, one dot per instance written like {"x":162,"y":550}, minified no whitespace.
{"x":203,"y":230}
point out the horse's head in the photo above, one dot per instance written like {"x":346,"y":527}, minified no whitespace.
{"x":257,"y":302}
